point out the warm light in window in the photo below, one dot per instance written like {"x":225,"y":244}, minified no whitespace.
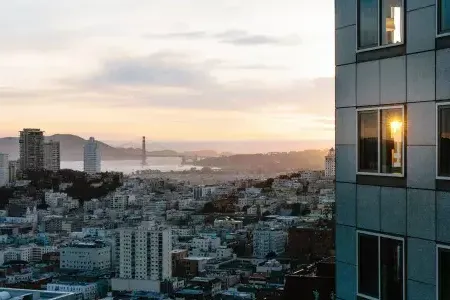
{"x":396,"y":126}
{"x":397,"y":13}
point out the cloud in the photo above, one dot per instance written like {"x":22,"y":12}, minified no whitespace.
{"x":174,"y":81}
{"x":234,"y":37}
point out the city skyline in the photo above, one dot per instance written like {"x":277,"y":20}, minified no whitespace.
{"x":126,"y":71}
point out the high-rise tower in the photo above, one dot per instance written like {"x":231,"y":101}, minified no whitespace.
{"x":144,"y":152}
{"x":31,"y":149}
{"x":92,"y":160}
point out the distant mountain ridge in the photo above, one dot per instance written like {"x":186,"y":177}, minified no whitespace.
{"x":72,"y":149}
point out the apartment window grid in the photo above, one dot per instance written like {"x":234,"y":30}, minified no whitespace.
{"x":380,"y":24}
{"x":380,"y":141}
{"x":386,"y":262}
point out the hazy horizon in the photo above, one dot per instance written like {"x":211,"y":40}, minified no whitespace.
{"x":169,"y":70}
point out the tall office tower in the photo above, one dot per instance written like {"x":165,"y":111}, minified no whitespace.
{"x":143,"y":257}
{"x":31,"y":149}
{"x":144,"y":152}
{"x":13,"y":166}
{"x":52,"y":156}
{"x":92,"y":159}
{"x":330,"y":163}
{"x":392,"y":149}
{"x":4,"y":169}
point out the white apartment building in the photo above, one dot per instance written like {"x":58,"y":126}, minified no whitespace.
{"x":266,"y":240}
{"x":52,"y":156}
{"x":4,"y":169}
{"x":330,"y":163}
{"x":92,"y":159}
{"x":204,"y":191}
{"x":310,"y":175}
{"x":87,"y":291}
{"x":53,"y":199}
{"x":119,"y":202}
{"x":206,"y":243}
{"x":144,"y":253}
{"x":29,"y":253}
{"x":87,"y":256}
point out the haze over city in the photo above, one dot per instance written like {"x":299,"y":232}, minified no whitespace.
{"x":172,"y":70}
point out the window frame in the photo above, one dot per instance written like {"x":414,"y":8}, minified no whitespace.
{"x":438,"y":21}
{"x":358,"y":50}
{"x":379,"y":236}
{"x":438,"y":247}
{"x":379,"y":109}
{"x":438,"y":138}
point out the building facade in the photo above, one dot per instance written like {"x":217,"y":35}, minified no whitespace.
{"x":92,"y":159}
{"x":31,"y":144}
{"x":52,"y":156}
{"x":392,"y":149}
{"x":330,"y":163}
{"x":4,"y":169}
{"x":86,"y":256}
{"x":267,"y":240}
{"x":13,"y":166}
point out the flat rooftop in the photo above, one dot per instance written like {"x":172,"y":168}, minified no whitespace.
{"x":37,"y":294}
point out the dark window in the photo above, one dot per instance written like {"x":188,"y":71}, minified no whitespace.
{"x":444,"y":140}
{"x":444,"y":273}
{"x":381,"y":141}
{"x":380,"y":22}
{"x":444,"y":16}
{"x":380,"y":268}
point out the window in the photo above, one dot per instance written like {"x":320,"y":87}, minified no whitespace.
{"x":443,"y":263}
{"x":380,"y":267}
{"x":443,"y":122}
{"x":443,"y":16}
{"x":380,"y":23}
{"x":380,"y":141}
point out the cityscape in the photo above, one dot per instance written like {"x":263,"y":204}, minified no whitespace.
{"x":225,"y":150}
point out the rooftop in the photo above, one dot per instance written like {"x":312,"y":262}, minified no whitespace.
{"x":7,"y":293}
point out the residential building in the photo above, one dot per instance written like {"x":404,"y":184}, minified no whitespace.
{"x":86,"y":256}
{"x":330,"y":164}
{"x":144,"y":255}
{"x":392,"y":149}
{"x":203,"y":191}
{"x":267,"y":240}
{"x":86,"y":291}
{"x":9,"y":293}
{"x":4,"y":169}
{"x":13,"y":166}
{"x":31,"y":143}
{"x":92,"y":159}
{"x":52,"y":156}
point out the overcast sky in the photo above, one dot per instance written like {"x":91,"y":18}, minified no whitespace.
{"x":168,"y":69}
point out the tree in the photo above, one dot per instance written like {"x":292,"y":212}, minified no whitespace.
{"x":208,"y":208}
{"x":271,"y":255}
{"x":266,"y":213}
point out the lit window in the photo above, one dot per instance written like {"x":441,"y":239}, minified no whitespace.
{"x":443,"y":273}
{"x":380,"y":267}
{"x":444,"y":140}
{"x":380,"y":141}
{"x":443,"y":16}
{"x":380,"y":23}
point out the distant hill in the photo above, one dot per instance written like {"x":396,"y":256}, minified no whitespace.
{"x":274,"y":162}
{"x":72,"y":149}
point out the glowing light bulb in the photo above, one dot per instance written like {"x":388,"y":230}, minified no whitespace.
{"x":396,"y":126}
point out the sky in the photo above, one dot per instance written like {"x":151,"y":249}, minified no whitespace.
{"x":172,"y":70}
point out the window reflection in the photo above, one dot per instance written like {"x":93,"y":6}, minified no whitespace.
{"x":391,"y":141}
{"x":444,"y":140}
{"x":444,"y":16}
{"x":368,"y":141}
{"x":392,"y":25}
{"x":368,"y":24}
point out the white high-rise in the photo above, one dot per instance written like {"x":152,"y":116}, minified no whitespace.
{"x":143,"y":256}
{"x":52,"y":156}
{"x":330,"y":163}
{"x":92,"y":159}
{"x":4,"y":169}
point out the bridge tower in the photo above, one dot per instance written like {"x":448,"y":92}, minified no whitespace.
{"x":144,"y":152}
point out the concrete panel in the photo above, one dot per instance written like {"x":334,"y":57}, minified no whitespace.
{"x":421,"y":30}
{"x":346,"y":45}
{"x":421,"y":167}
{"x":368,"y":207}
{"x":345,"y":13}
{"x":346,"y":85}
{"x":393,"y":210}
{"x":345,"y":281}
{"x":345,"y":163}
{"x":421,"y":260}
{"x":393,"y":80}
{"x":442,"y":217}
{"x":421,"y":291}
{"x":346,"y":204}
{"x":346,"y":126}
{"x":421,"y":130}
{"x":421,"y":76}
{"x":443,"y":74}
{"x":368,"y":83}
{"x":346,"y":244}
{"x":421,"y":214}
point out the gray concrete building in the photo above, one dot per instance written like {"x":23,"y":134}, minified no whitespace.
{"x":31,"y":144}
{"x":86,"y":256}
{"x":392,"y":149}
